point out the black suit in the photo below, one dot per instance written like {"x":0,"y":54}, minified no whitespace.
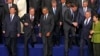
{"x":6,"y":9}
{"x":11,"y":28}
{"x":80,"y":2}
{"x":93,"y":5}
{"x":56,"y":34}
{"x":2,"y":2}
{"x":81,"y":15}
{"x":68,"y":28}
{"x":36,"y":4}
{"x":47,"y":25}
{"x":29,"y":31}
{"x":46,"y":3}
{"x":85,"y":32}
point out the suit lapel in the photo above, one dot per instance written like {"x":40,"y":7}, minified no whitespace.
{"x":81,"y":10}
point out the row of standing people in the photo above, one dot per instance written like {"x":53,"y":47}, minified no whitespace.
{"x":67,"y":18}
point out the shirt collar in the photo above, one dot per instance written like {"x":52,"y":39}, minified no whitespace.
{"x":31,"y":16}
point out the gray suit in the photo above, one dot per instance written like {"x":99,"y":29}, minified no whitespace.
{"x":68,"y":27}
{"x":81,"y":15}
{"x":47,"y":26}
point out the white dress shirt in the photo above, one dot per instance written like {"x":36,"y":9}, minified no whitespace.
{"x":87,"y":21}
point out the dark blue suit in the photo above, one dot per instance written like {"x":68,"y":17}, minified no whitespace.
{"x":11,"y":28}
{"x":85,"y":31}
{"x":81,"y":14}
{"x":2,"y":2}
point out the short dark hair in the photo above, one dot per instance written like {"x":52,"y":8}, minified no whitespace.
{"x":53,"y":1}
{"x":45,"y":8}
{"x":96,"y":15}
{"x":12,"y":7}
{"x":31,"y":8}
{"x":74,"y":5}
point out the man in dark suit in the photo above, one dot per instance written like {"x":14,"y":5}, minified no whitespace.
{"x":2,"y":2}
{"x":46,"y":3}
{"x":56,"y":13}
{"x":80,"y":2}
{"x":69,"y":25}
{"x":82,"y":10}
{"x":85,"y":32}
{"x":8,"y":5}
{"x":29,"y":22}
{"x":11,"y":30}
{"x":37,"y":5}
{"x":46,"y":29}
{"x":93,"y":4}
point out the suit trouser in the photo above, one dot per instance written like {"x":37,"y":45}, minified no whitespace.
{"x":56,"y":35}
{"x":83,"y":42}
{"x":96,"y":48}
{"x":1,"y":17}
{"x":28,"y":36}
{"x":47,"y":46}
{"x":68,"y":42}
{"x":11,"y":44}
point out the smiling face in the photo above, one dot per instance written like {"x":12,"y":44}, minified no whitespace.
{"x":87,"y":14}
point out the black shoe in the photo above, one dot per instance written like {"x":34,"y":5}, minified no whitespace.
{"x":32,"y":45}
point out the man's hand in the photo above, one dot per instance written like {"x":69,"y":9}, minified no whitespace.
{"x":38,"y":25}
{"x":40,"y":34}
{"x":90,"y":36}
{"x":91,"y":32}
{"x":18,"y":35}
{"x":48,"y":34}
{"x":75,"y":24}
{"x":26,"y":24}
{"x":60,"y":23}
{"x":3,"y":32}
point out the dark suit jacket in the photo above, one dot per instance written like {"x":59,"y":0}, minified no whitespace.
{"x":56,"y":15}
{"x":94,"y":5}
{"x":85,"y":29}
{"x":11,"y":28}
{"x":35,"y":3}
{"x":62,"y":11}
{"x":6,"y":9}
{"x":2,"y":2}
{"x":68,"y":20}
{"x":81,"y":15}
{"x":46,"y":25}
{"x":46,"y":3}
{"x":30,"y":27}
